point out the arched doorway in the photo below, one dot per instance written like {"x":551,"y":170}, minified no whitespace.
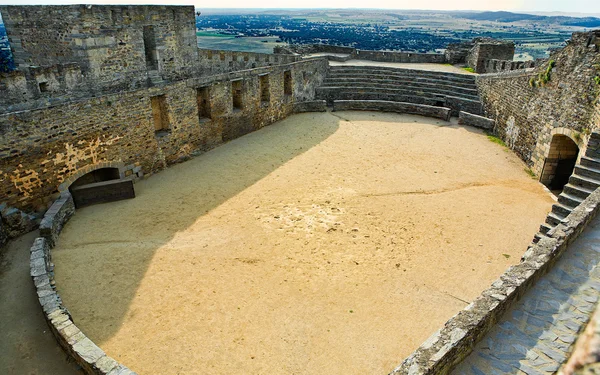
{"x":559,"y":163}
{"x":99,"y":186}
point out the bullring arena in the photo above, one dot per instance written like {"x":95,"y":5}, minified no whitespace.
{"x":335,"y":211}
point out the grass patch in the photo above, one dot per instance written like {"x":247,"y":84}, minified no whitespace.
{"x":497,"y":140}
{"x":530,"y":172}
{"x":470,"y":70}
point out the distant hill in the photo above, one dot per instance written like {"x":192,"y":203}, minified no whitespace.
{"x":508,"y":17}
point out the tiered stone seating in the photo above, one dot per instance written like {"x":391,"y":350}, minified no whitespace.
{"x":451,"y":90}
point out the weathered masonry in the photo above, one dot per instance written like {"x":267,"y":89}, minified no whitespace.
{"x":126,"y":87}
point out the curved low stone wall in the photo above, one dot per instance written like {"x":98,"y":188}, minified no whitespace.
{"x":398,"y":107}
{"x":466,"y":118}
{"x":437,"y":355}
{"x":310,"y":106}
{"x":453,"y":342}
{"x":88,"y":355}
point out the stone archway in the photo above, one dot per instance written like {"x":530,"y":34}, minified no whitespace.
{"x":560,"y":162}
{"x":99,"y":183}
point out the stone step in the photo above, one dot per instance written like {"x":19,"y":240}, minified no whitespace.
{"x":554,"y":219}
{"x":577,"y":191}
{"x":584,"y":182}
{"x":420,"y":92}
{"x":397,"y":84}
{"x":587,"y":172}
{"x":560,"y":209}
{"x":545,"y":228}
{"x":390,"y":70}
{"x":386,"y":75}
{"x":569,"y":200}
{"x":401,"y":75}
{"x":590,"y":162}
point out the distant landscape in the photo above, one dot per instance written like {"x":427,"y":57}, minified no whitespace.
{"x":395,"y":30}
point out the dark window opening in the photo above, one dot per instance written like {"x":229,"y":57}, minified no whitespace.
{"x":203,"y":97}
{"x":265,"y":90}
{"x":159,"y":114}
{"x":236,"y":92}
{"x":43,"y":86}
{"x":150,"y":48}
{"x":439,"y":103}
{"x":98,"y":175}
{"x":287,"y":82}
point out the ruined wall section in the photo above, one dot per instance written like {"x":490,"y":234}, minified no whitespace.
{"x":527,"y":111}
{"x":218,"y":61}
{"x":45,"y":147}
{"x":107,"y":42}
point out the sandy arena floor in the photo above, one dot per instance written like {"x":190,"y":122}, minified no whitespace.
{"x":323,"y":244}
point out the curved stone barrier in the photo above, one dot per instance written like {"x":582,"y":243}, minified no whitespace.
{"x":310,"y":106}
{"x":453,"y":342}
{"x":466,"y":118}
{"x":88,"y":355}
{"x":387,"y":106}
{"x":413,"y":83}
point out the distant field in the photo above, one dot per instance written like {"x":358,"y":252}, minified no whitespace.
{"x":213,"y":34}
{"x":246,"y":44}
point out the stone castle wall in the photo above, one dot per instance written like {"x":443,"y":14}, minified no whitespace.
{"x":528,"y":113}
{"x":42,"y":148}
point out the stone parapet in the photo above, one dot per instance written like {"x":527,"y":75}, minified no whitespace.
{"x":389,"y":106}
{"x":88,"y":355}
{"x":310,"y":106}
{"x":466,"y":118}
{"x":453,"y":342}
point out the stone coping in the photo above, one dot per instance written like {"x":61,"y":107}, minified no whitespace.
{"x":456,"y":339}
{"x":389,"y":106}
{"x":466,"y":118}
{"x":88,"y":355}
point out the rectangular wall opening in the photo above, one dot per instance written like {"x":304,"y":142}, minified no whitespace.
{"x":150,"y":48}
{"x":287,"y":82}
{"x":203,"y":96}
{"x":236,"y":94}
{"x":265,"y":90}
{"x":159,"y":113}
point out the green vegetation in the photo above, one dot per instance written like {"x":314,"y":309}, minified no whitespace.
{"x":468,"y":69}
{"x":208,"y":33}
{"x":544,"y":77}
{"x":530,"y":172}
{"x":496,"y":139}
{"x":597,"y":80}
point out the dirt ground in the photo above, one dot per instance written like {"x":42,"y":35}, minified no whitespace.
{"x":26,"y":345}
{"x":327,"y":243}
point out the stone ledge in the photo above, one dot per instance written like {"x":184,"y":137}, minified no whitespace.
{"x":389,"y":106}
{"x":455,"y":341}
{"x":88,"y":355}
{"x":466,"y":118}
{"x":57,"y":215}
{"x":310,"y":106}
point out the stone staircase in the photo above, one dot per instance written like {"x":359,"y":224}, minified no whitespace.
{"x":441,"y":89}
{"x":584,"y":180}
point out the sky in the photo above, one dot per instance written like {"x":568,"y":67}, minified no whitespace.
{"x":571,"y":6}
